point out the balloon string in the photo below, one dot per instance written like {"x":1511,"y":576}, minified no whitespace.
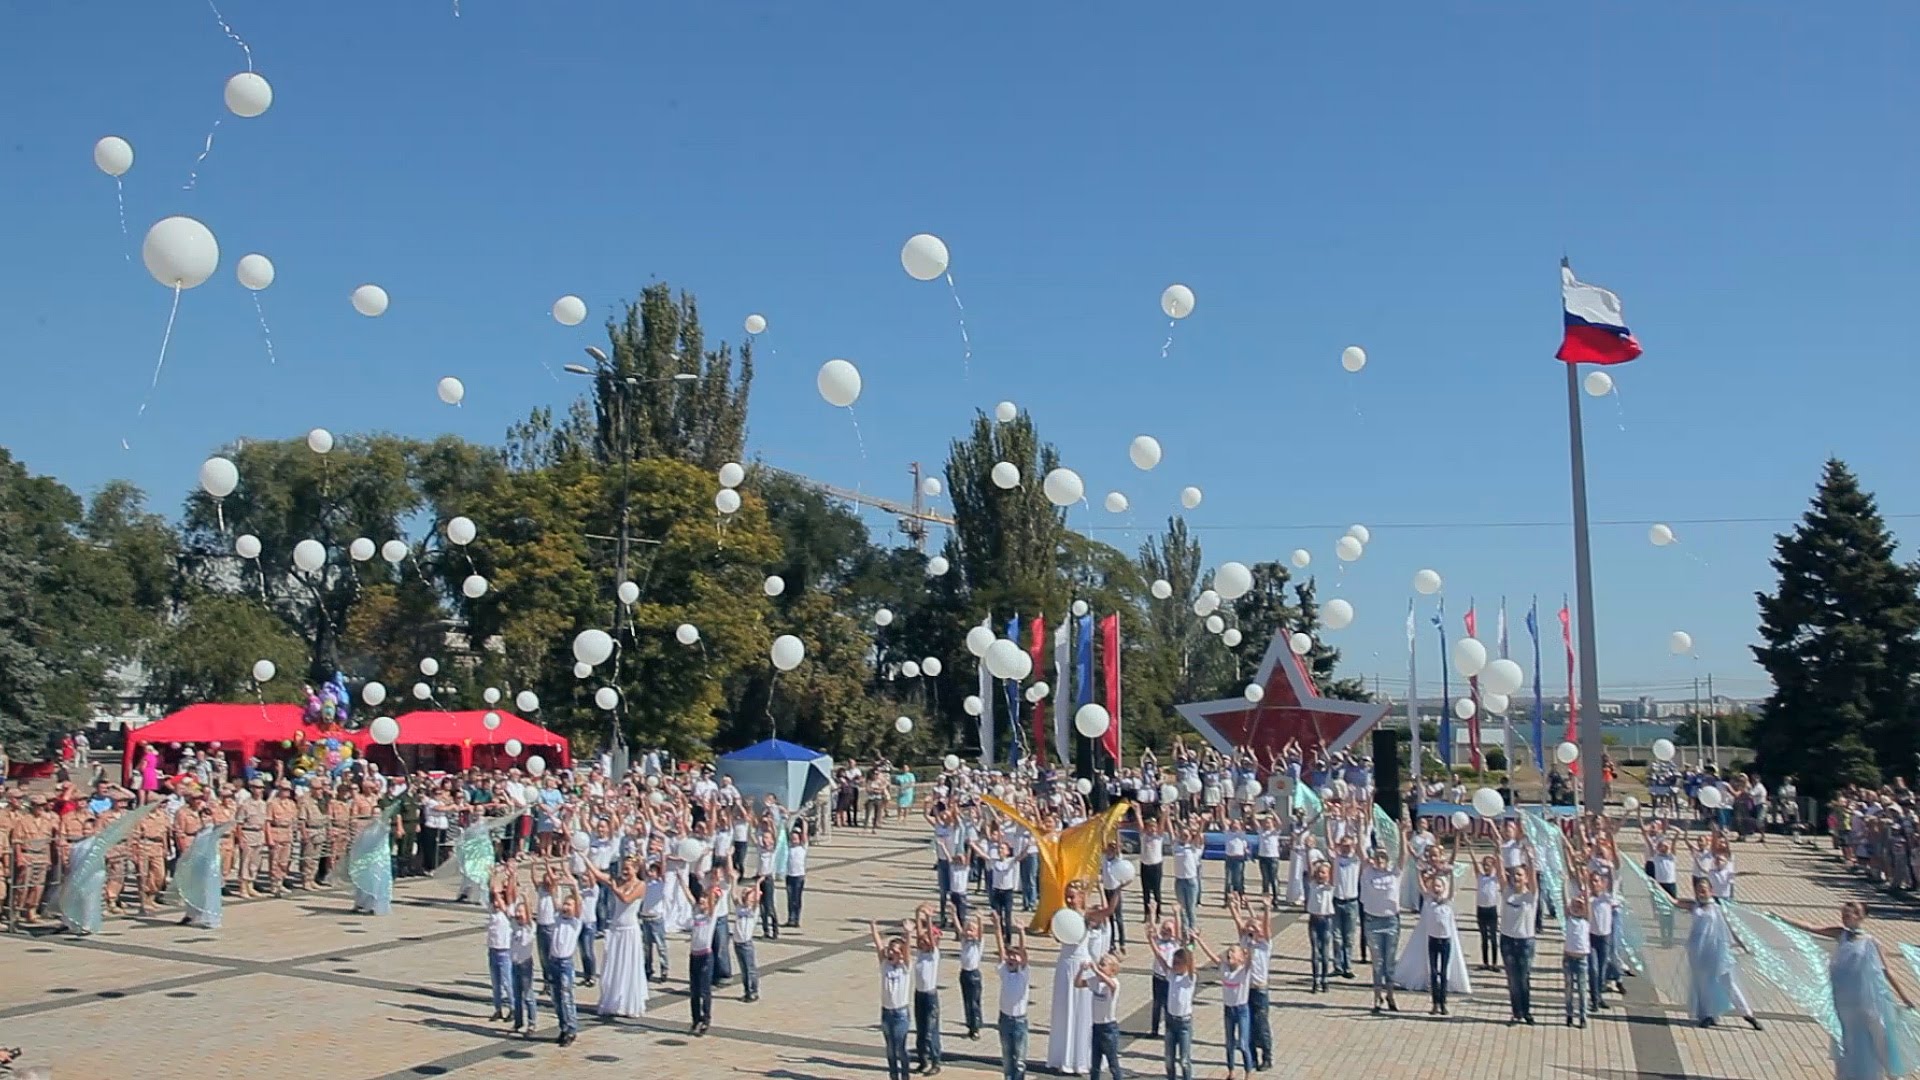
{"x":263,"y":581}
{"x":1619,"y":409}
{"x":165,"y":339}
{"x":265,"y":330}
{"x":237,"y":40}
{"x":966,"y":343}
{"x":220,"y":516}
{"x":193,"y":177}
{"x":1168,"y":345}
{"x":120,"y":196}
{"x":856,"y":433}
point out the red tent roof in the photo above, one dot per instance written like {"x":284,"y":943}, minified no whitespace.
{"x":468,"y":729}
{"x":237,"y":728}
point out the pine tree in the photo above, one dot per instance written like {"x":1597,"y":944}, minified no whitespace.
{"x":1840,"y":642}
{"x":662,"y":393}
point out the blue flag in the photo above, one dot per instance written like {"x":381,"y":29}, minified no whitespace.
{"x":1013,"y":698}
{"x":1539,"y":705}
{"x":1083,"y":663}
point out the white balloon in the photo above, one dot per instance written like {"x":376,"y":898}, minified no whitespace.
{"x":937,"y":566}
{"x":924,"y":257}
{"x":1177,"y":301}
{"x":218,"y":478}
{"x":1464,"y":708}
{"x":628,"y":592}
{"x":113,"y":155}
{"x":1629,"y":804}
{"x":1190,"y":497}
{"x":248,"y":95}
{"x":255,"y":271}
{"x":883,"y":617}
{"x":527,"y":701}
{"x":309,"y":555}
{"x":263,"y":671}
{"x":373,"y":693}
{"x":569,"y":311}
{"x":1233,"y":580}
{"x":774,"y":585}
{"x":1169,"y":793}
{"x":1037,"y":693}
{"x":838,"y":382}
{"x":1353,"y":358}
{"x":1349,"y":548}
{"x":952,"y":762}
{"x":1116,"y":503}
{"x":903,"y":724}
{"x":731,"y":474}
{"x":1469,"y":656}
{"x":910,"y":669}
{"x":1710,"y":797}
{"x":536,"y":765}
{"x":513,"y":747}
{"x":370,"y":300}
{"x":320,"y":441}
{"x":972,"y":705}
{"x":451,"y":390}
{"x":1502,"y":676}
{"x":593,"y":646}
{"x":1206,"y":603}
{"x":361,"y":549}
{"x":180,"y":252}
{"x":582,"y":671}
{"x":1494,"y":703}
{"x":1161,"y":588}
{"x":1300,"y":642}
{"x":1232,"y":638}
{"x":421,"y":691}
{"x":1006,"y":412}
{"x":474,"y":587}
{"x":1091,"y":720}
{"x":788,"y":652}
{"x":1022,"y":666}
{"x":686,"y":633}
{"x":384,"y":730}
{"x":1079,"y":608}
{"x":1663,"y":749}
{"x":1660,"y":535}
{"x":1489,"y":802}
{"x":1083,"y":785}
{"x":247,"y":546}
{"x":1301,"y":558}
{"x":1597,"y":384}
{"x":1338,"y":614}
{"x":930,"y":487}
{"x":1063,"y":487}
{"x":979,"y":640}
{"x":1254,"y":692}
{"x":461,"y":531}
{"x":1566,"y":753}
{"x":1144,"y":452}
{"x":429,"y":667}
{"x":394,"y":551}
{"x":1005,"y":475}
{"x":1069,"y":927}
{"x":756,"y":324}
{"x":931,"y":666}
{"x":1191,"y":785}
{"x":1426,"y":582}
{"x":1216,"y":624}
{"x":491,"y":695}
{"x":1360,"y":533}
{"x":1680,"y":642}
{"x":607,"y":698}
{"x":727,"y":501}
{"x":1003,"y":659}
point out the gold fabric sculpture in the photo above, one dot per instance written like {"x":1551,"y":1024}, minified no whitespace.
{"x":1074,"y":855}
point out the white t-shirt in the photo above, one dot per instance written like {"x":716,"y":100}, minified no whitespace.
{"x":545,"y":911}
{"x":1379,"y":892}
{"x":1440,"y":922}
{"x":1153,"y":849}
{"x":894,"y":981}
{"x":1104,"y":999}
{"x":1186,"y":862}
{"x":926,"y":971}
{"x":700,"y":932}
{"x":1665,"y":870}
{"x":1180,"y":996}
{"x":956,"y":875}
{"x":1259,"y":960}
{"x":1234,"y":984}
{"x":1516,"y":914}
{"x":434,"y":815}
{"x":1270,"y":843}
{"x":1319,"y":898}
{"x":499,"y":931}
{"x":653,"y":902}
{"x":797,"y":861}
{"x":1163,"y":950}
{"x":1346,"y":878}
{"x":1013,"y":990}
{"x":744,"y":919}
{"x":1236,"y":846}
{"x":970,"y":951}
{"x":520,"y":942}
{"x":1110,"y":874}
{"x":1006,"y":874}
{"x":1486,"y":891}
{"x":563,"y":938}
{"x":1576,"y":930}
{"x":1720,"y":880}
{"x":1600,"y":914}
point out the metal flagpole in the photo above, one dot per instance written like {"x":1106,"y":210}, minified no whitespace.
{"x":1592,"y":748}
{"x":1413,"y":715}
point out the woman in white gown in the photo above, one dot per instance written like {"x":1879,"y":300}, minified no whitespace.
{"x":623,"y":977}
{"x":1070,"y":1027}
{"x":1435,"y":942}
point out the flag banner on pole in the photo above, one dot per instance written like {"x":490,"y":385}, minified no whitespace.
{"x":986,"y":706}
{"x":1473,"y":695}
{"x":1539,"y":717}
{"x":1062,"y":695}
{"x":1110,"y":653}
{"x":1446,"y":689}
{"x":1573,"y":696}
{"x":1413,"y":696}
{"x":1083,"y":661}
{"x":1011,"y":687}
{"x":1503,"y":628}
{"x":1595,"y":327}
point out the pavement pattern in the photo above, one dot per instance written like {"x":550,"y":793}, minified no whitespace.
{"x":300,"y":987}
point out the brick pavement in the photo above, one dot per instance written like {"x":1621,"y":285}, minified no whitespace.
{"x":289,"y":987}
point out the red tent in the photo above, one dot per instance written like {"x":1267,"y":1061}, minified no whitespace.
{"x":243,"y":731}
{"x":460,"y":740}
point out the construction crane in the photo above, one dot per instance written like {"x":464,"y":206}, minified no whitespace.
{"x":914,"y":517}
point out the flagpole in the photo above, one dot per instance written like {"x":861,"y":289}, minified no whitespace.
{"x":1592,"y":748}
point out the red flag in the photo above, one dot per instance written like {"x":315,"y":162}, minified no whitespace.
{"x":1573,"y":699}
{"x":1037,"y":650}
{"x":1110,"y":670}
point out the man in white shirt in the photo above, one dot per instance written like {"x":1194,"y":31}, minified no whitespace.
{"x":1519,"y":906}
{"x":564,"y":940}
{"x":1015,"y":978}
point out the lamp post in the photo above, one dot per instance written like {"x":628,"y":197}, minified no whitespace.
{"x":621,"y":386}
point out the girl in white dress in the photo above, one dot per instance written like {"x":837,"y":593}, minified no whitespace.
{"x":1070,"y":1032}
{"x":623,"y":980}
{"x":1432,"y":959}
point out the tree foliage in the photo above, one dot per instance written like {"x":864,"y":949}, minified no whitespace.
{"x":642,"y":409}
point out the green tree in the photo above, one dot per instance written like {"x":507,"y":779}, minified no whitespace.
{"x":25,"y":720}
{"x":660,"y":392}
{"x":1838,"y":638}
{"x":209,"y":653}
{"x":1006,"y":542}
{"x":1178,"y":661}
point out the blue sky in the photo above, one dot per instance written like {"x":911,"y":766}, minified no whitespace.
{"x":1405,"y":180}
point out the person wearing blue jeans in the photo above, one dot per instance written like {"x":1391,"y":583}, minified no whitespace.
{"x":1346,"y":907}
{"x":1236,"y":979}
{"x":1574,"y":955}
{"x":896,"y":986}
{"x":1178,"y":1048}
{"x":700,"y":963}
{"x":565,"y":945}
{"x":1011,"y":947}
{"x":743,"y":916}
{"x":1102,"y":981}
{"x":926,"y":990}
{"x":971,"y":948}
{"x":1319,"y":904}
{"x":1236,"y":860}
{"x":1519,"y":902}
{"x":525,"y":1004}
{"x":500,"y":957}
{"x":1029,"y":880}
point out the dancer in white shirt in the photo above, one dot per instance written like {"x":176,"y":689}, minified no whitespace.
{"x":1010,"y":944}
{"x":896,"y":983}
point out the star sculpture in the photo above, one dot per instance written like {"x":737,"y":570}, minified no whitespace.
{"x":1290,"y":708}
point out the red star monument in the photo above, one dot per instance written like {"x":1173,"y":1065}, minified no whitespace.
{"x":1291,"y":708}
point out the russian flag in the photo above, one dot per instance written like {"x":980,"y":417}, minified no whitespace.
{"x":1596,"y":331}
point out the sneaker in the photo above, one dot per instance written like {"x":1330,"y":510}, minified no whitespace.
{"x":1754,"y":1023}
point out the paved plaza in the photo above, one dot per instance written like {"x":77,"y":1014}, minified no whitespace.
{"x":300,"y":987}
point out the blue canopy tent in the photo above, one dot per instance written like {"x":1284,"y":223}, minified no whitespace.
{"x":790,"y":773}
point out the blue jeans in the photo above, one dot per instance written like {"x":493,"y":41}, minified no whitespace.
{"x":893,"y":1031}
{"x":1575,"y":968}
{"x":1383,"y":933}
{"x":1001,"y":901}
{"x":562,"y":990}
{"x":1029,"y":880}
{"x":1262,"y":1032}
{"x":1179,"y":1048}
{"x":1605,"y":965}
{"x":722,"y":955}
{"x":1237,"y":1036}
{"x":1320,"y":935}
{"x":1439,"y":956}
{"x":796,"y":892}
{"x":700,"y":987}
{"x":500,"y":974}
{"x":970,"y":1000}
{"x":1270,"y":877}
{"x":926,"y":1026}
{"x":543,"y":944}
{"x":1346,"y":916}
{"x":749,"y":967}
{"x":525,"y":1004}
{"x":1013,"y":1047}
{"x":1106,"y":1047}
{"x":587,"y":936}
{"x":943,"y":879}
{"x":653,"y":936}
{"x":1517,"y":953}
{"x":1237,"y":875}
{"x":1187,"y":892}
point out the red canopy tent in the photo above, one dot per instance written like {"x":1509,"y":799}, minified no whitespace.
{"x":242,"y":730}
{"x":449,"y":741}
